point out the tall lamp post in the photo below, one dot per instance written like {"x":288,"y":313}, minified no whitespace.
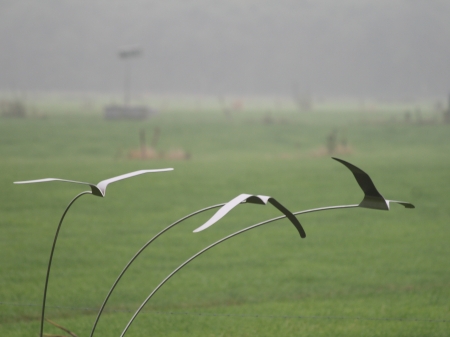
{"x":127,"y":54}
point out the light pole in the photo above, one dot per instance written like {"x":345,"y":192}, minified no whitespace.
{"x":126,"y":54}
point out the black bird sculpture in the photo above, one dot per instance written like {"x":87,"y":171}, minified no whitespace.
{"x":372,"y":198}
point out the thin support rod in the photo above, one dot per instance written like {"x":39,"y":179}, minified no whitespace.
{"x":139,"y":252}
{"x":323,"y":209}
{"x":215,"y":244}
{"x":127,"y":83}
{"x":51,"y":258}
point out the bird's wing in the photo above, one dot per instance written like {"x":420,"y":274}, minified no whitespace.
{"x":362,"y":178}
{"x":51,"y":179}
{"x":94,"y":188}
{"x":372,"y":198}
{"x":223,"y":211}
{"x":290,"y":216}
{"x":404,"y":203}
{"x":104,"y":183}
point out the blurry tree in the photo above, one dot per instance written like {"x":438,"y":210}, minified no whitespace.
{"x":447,"y":112}
{"x":13,"y":108}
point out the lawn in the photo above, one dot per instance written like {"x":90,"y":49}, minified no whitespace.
{"x":358,"y":272}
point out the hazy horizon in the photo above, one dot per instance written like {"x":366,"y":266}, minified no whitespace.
{"x":377,"y":49}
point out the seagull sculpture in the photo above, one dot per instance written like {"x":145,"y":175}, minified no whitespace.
{"x":372,"y":198}
{"x":98,"y":190}
{"x":253,"y":199}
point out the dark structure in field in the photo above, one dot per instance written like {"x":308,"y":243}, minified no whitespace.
{"x":447,"y":112}
{"x":13,"y":108}
{"x":128,"y":112}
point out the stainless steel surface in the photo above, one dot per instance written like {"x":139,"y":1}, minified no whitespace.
{"x":255,"y":199}
{"x":138,"y":253}
{"x":372,"y":198}
{"x":99,"y":189}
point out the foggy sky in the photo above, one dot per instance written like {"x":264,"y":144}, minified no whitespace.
{"x":360,"y":48}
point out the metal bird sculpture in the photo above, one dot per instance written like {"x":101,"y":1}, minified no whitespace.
{"x":254,"y":199}
{"x":372,"y":198}
{"x":98,"y":190}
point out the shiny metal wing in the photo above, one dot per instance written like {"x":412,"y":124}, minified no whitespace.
{"x":404,"y":203}
{"x":94,"y":188}
{"x":223,"y":211}
{"x":290,"y":216}
{"x":372,"y":198}
{"x":100,"y":188}
{"x":104,"y":183}
{"x":255,"y":199}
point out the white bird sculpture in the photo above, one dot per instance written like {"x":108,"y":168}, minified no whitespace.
{"x":99,"y":189}
{"x":254,"y":199}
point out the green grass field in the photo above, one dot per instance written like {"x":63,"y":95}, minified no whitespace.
{"x":359,"y":272}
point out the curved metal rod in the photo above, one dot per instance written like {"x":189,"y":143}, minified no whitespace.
{"x":51,"y":258}
{"x":138,"y":253}
{"x":215,"y":244}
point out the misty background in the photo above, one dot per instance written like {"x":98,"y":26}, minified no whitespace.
{"x":396,"y":49}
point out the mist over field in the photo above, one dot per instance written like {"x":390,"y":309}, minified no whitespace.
{"x":368,"y":48}
{"x":237,"y":97}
